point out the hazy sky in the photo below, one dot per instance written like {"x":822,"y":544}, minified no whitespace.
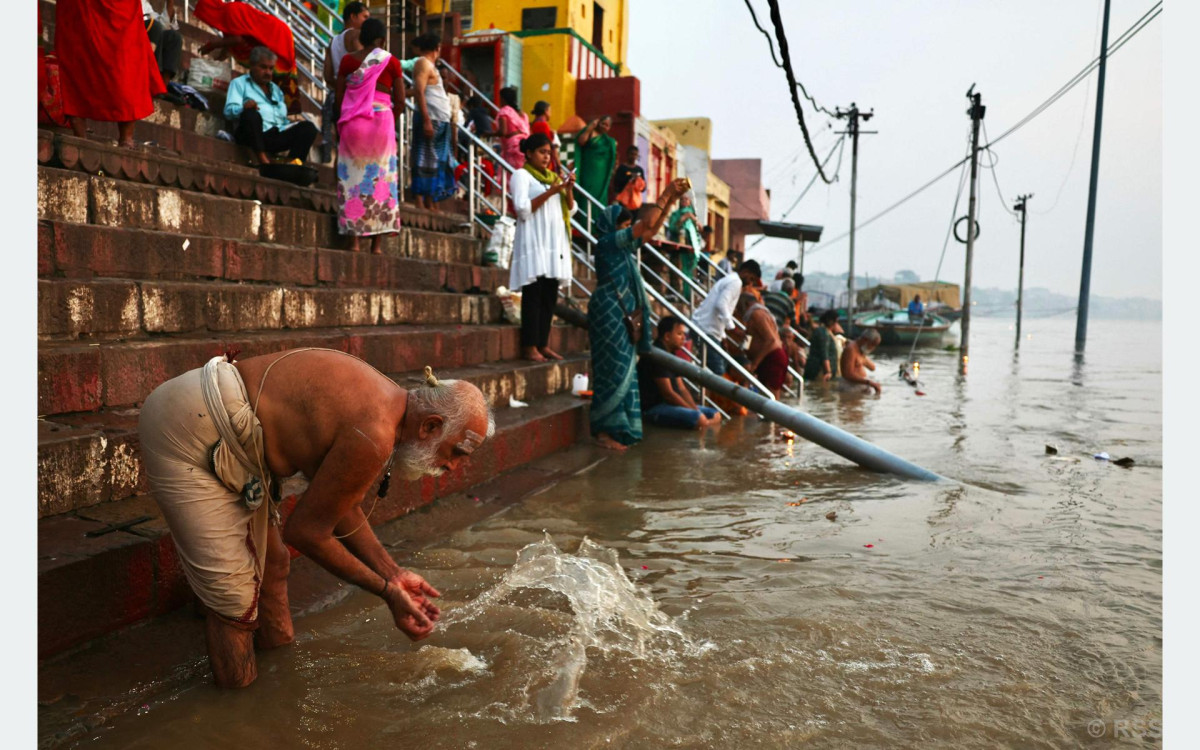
{"x":913,"y":62}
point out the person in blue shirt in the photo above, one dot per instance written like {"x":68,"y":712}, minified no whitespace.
{"x":916,"y":310}
{"x":257,"y":104}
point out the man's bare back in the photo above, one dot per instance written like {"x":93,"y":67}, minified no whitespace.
{"x":854,"y":366}
{"x":764,"y":335}
{"x":312,"y":398}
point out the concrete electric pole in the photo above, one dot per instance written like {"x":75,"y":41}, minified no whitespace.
{"x":1021,"y":266}
{"x":1085,"y":281}
{"x":976,"y":114}
{"x":853,"y":115}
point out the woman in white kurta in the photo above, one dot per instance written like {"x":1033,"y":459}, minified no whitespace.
{"x":541,"y":259}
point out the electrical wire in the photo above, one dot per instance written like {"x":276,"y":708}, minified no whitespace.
{"x":778,"y":64}
{"x":1131,"y":32}
{"x":781,"y":37}
{"x":1087,"y":95}
{"x":1154,"y":12}
{"x":995,"y":180}
{"x":840,"y":146}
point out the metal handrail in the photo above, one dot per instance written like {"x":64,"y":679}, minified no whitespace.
{"x":586,"y":234}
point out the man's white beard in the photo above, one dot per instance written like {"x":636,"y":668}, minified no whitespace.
{"x":416,"y":460}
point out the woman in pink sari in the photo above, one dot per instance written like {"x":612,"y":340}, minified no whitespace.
{"x":370,"y":90}
{"x":512,"y":126}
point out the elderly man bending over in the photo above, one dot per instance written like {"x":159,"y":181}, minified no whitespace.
{"x":216,"y":439}
{"x":257,"y":103}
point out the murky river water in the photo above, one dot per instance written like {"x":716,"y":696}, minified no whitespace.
{"x":1021,"y":608}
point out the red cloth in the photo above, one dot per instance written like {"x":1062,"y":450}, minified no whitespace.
{"x":239,"y":19}
{"x":108,"y":67}
{"x":350,"y":63}
{"x":543,"y":127}
{"x":772,"y":370}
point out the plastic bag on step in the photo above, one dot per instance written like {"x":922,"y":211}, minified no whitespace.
{"x":500,"y":246}
{"x":511,"y":304}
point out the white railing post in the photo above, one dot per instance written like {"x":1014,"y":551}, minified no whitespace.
{"x":471,"y":167}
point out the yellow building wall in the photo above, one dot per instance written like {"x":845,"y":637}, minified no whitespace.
{"x":572,"y":14}
{"x":544,"y":76}
{"x":718,"y":203}
{"x":690,"y":131}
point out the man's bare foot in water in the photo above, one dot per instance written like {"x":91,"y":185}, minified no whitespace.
{"x":549,"y":353}
{"x":606,"y":441}
{"x":532,"y":354}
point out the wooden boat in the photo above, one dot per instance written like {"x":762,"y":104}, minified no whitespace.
{"x":895,"y":328}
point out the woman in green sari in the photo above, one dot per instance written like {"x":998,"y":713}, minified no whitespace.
{"x":595,"y":160}
{"x":616,"y":413}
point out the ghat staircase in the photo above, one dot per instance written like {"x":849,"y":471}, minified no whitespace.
{"x":153,"y":260}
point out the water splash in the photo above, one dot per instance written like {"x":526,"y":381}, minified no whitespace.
{"x":608,"y":613}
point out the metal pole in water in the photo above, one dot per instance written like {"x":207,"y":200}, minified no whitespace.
{"x":1021,"y":267}
{"x":976,"y":114}
{"x":1085,"y":281}
{"x":805,"y":425}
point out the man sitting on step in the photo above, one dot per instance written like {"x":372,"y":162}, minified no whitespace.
{"x":216,"y":439}
{"x":257,"y":103}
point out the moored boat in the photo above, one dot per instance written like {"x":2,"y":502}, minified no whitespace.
{"x":895,"y":327}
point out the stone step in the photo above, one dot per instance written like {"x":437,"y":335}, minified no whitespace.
{"x":108,"y":309}
{"x":87,"y":459}
{"x":89,"y":586}
{"x":85,"y":251}
{"x":87,"y":377}
{"x":74,"y":197}
{"x":176,"y":164}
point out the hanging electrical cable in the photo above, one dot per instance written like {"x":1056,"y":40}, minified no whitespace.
{"x":839,"y":146}
{"x":781,"y":37}
{"x":1129,"y":34}
{"x":778,"y":64}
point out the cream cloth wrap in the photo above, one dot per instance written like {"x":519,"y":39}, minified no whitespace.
{"x":222,"y":544}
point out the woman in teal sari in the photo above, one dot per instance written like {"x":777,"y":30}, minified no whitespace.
{"x":616,"y":414}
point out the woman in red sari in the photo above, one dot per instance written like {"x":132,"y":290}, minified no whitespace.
{"x":245,"y":28}
{"x":108,"y":68}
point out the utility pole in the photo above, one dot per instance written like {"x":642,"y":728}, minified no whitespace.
{"x":853,"y":115}
{"x":976,"y":114}
{"x":1021,"y":199}
{"x":1085,"y":282}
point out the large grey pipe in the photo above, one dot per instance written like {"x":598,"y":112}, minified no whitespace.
{"x":806,"y":426}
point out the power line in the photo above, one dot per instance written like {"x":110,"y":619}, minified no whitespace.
{"x":1154,"y":12}
{"x":778,"y":64}
{"x":996,"y":180}
{"x":781,"y":37}
{"x":1130,"y":33}
{"x":842,"y":143}
{"x":1087,"y":90}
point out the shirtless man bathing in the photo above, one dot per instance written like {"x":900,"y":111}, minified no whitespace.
{"x":216,"y":439}
{"x":855,"y":363}
{"x":768,"y":358}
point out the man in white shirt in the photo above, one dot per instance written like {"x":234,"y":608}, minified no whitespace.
{"x":715,"y":315}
